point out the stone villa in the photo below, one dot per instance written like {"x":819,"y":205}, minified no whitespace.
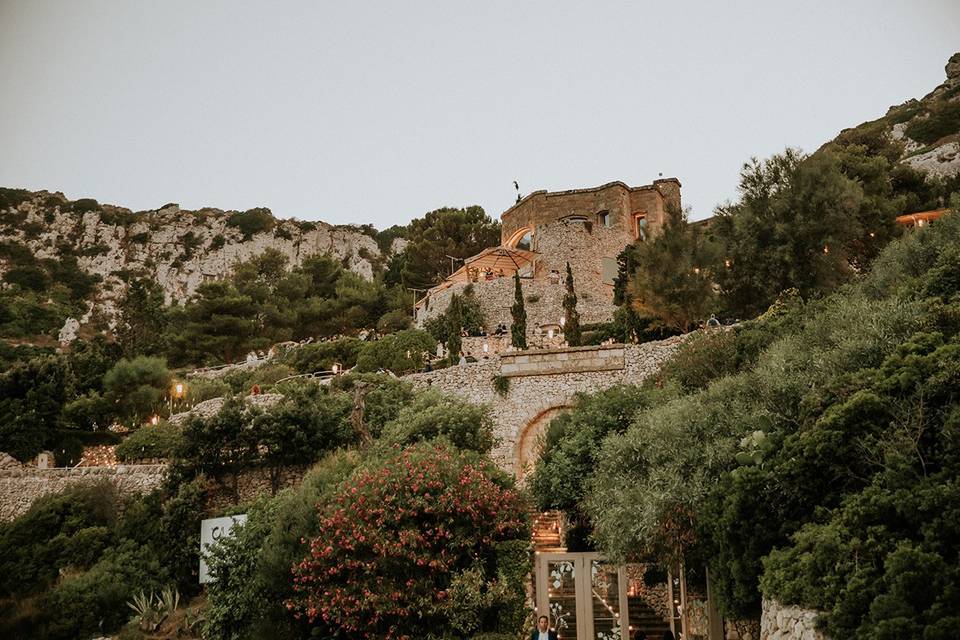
{"x":544,"y":231}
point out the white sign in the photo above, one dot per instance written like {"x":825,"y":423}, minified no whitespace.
{"x":211,"y":532}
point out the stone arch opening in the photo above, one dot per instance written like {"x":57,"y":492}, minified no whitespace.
{"x":529,"y":443}
{"x":522,"y":238}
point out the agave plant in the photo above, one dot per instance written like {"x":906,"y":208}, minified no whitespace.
{"x":145,"y":611}
{"x":149,"y":612}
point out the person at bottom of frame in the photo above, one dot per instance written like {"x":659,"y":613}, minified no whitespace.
{"x":543,"y":630}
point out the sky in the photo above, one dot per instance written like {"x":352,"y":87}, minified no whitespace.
{"x":378,"y":112}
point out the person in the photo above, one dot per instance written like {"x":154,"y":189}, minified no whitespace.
{"x":463,"y":332}
{"x":440,"y":352}
{"x":463,"y":359}
{"x":554,"y":276}
{"x":543,"y":630}
{"x":713,"y":322}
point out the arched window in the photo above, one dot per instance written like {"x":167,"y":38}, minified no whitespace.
{"x":522,"y":239}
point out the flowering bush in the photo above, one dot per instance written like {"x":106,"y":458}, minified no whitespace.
{"x":399,"y":536}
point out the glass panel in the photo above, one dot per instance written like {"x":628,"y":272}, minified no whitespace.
{"x":562,"y":598}
{"x":605,"y":600}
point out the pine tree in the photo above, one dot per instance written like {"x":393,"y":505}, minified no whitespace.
{"x":518,"y":330}
{"x":572,"y":318}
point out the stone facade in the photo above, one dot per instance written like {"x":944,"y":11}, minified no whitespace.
{"x":780,"y":622}
{"x":587,"y":228}
{"x":19,"y":487}
{"x":542,"y":384}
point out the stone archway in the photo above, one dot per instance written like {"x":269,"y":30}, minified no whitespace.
{"x":529,"y":442}
{"x":522,"y":236}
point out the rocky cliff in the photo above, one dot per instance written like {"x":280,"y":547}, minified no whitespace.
{"x":923,"y":133}
{"x":180,"y":249}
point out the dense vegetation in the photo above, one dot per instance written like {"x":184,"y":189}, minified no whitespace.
{"x":73,"y":561}
{"x":808,"y":455}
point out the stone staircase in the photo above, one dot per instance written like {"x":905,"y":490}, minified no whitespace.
{"x":547,"y":532}
{"x":644,"y":618}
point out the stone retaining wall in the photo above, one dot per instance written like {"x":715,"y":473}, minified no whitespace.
{"x":20,"y":487}
{"x":547,"y":386}
{"x":782,"y":622}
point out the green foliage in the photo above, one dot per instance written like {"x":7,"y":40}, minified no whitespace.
{"x":321,"y":356}
{"x":942,"y":120}
{"x":32,"y":396}
{"x":463,"y":313}
{"x":142,"y":319}
{"x":501,"y":384}
{"x":518,"y":327}
{"x":445,"y":232}
{"x":252,"y":221}
{"x":159,"y":441}
{"x":431,"y":416}
{"x":52,"y":535}
{"x":670,"y":282}
{"x":137,"y":388}
{"x":571,"y":327}
{"x":83,"y":205}
{"x":571,"y":446}
{"x":398,"y":352}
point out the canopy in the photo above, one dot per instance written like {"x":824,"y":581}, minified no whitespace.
{"x":495,"y":260}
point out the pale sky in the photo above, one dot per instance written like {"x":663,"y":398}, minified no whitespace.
{"x":355,"y":112}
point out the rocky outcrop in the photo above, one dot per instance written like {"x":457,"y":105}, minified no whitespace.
{"x":179,"y":249}
{"x":925,"y":133}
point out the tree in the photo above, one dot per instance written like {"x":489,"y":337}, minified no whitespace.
{"x":136,"y":388}
{"x":32,"y":395}
{"x":796,"y":225}
{"x":518,"y":329}
{"x":445,"y":232}
{"x":671,"y":281}
{"x":399,"y":352}
{"x":571,"y":316}
{"x":221,"y":445}
{"x":219,"y":321}
{"x":140,"y":329}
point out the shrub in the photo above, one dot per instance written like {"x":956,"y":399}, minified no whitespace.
{"x":96,"y":600}
{"x":217,"y":242}
{"x":431,"y":416}
{"x":160,"y":441}
{"x":394,"y":321}
{"x":944,"y":119}
{"x":29,"y":559}
{"x":140,"y":238}
{"x":251,"y":221}
{"x":501,"y":384}
{"x":83,"y":205}
{"x":427,"y":516}
{"x":320,"y":356}
{"x":398,"y":352}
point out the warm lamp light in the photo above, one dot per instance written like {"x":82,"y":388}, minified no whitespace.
{"x":155,"y":420}
{"x":178,"y":389}
{"x":336,"y":368}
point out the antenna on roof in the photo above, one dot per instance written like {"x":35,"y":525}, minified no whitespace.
{"x":660,"y":175}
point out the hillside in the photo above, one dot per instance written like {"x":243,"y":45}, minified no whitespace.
{"x":923,"y":134}
{"x":92,"y":249}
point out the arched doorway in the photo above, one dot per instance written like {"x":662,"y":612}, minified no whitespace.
{"x":530,"y":440}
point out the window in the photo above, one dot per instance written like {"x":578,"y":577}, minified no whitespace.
{"x":604,"y":218}
{"x":640,"y":226}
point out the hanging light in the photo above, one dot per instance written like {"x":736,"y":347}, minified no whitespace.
{"x":826,"y":249}
{"x":179,"y":389}
{"x":696,"y":270}
{"x":727,"y":263}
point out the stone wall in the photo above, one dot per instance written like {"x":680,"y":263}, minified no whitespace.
{"x":543,"y":302}
{"x":781,"y":622}
{"x":19,"y":487}
{"x":545,"y":389}
{"x":251,"y":484}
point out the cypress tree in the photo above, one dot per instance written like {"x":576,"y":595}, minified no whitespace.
{"x":572,"y":318}
{"x":518,"y":330}
{"x":454,"y":324}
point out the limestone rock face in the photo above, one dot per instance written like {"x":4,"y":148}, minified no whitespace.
{"x":179,"y":249}
{"x":931,"y":119}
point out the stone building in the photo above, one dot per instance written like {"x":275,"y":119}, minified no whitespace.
{"x":542,"y":233}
